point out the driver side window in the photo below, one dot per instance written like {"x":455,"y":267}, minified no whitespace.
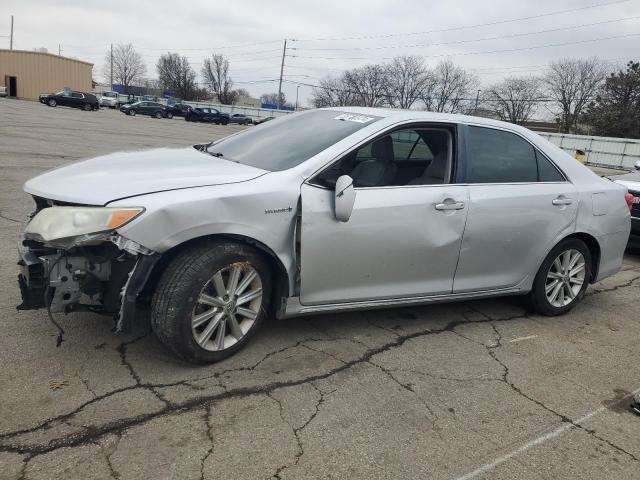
{"x":410,"y":156}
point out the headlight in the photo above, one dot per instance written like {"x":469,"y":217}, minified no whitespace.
{"x":62,"y":222}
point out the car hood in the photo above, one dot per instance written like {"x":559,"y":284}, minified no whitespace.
{"x":101,"y":180}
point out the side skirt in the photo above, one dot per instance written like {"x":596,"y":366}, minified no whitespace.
{"x":293,"y":307}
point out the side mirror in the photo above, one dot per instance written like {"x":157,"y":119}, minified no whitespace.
{"x":345,"y":197}
{"x":637,"y":165}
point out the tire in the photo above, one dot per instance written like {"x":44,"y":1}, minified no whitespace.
{"x":157,"y":114}
{"x":132,"y":112}
{"x":565,"y":285}
{"x":169,"y":115}
{"x":225,"y":122}
{"x":87,"y":107}
{"x":175,"y":301}
{"x":52,"y":102}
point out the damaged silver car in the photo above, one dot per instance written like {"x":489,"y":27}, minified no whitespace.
{"x":321,"y":211}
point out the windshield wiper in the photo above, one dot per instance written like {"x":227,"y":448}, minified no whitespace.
{"x":221,"y":155}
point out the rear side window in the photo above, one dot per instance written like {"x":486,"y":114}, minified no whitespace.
{"x":500,"y":157}
{"x":497,"y":156}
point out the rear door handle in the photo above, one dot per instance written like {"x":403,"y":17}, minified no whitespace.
{"x":450,"y":206}
{"x":561,"y":200}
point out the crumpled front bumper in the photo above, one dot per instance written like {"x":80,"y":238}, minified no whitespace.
{"x":76,"y":279}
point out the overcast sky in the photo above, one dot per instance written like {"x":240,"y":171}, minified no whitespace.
{"x":331,"y":35}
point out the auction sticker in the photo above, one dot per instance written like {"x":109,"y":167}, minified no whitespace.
{"x":350,"y":117}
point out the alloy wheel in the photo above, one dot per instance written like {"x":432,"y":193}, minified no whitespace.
{"x":227,"y":307}
{"x":565,"y":278}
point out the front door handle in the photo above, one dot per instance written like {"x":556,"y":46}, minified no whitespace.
{"x":450,"y":206}
{"x":561,"y":200}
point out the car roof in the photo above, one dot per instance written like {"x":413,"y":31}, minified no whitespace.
{"x":404,"y":115}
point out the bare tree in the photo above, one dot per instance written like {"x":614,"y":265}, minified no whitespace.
{"x":515,"y":99}
{"x":128,"y":66}
{"x":175,"y":73}
{"x":272,"y":99}
{"x":407,"y":78}
{"x":216,"y":74}
{"x":332,"y":92}
{"x":572,"y":83}
{"x":448,"y":87}
{"x":368,"y":84}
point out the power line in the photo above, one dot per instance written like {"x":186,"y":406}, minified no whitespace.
{"x":465,"y":27}
{"x":478,"y":53}
{"x":456,"y":42}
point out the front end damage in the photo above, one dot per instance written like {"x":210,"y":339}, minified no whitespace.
{"x":101,"y":272}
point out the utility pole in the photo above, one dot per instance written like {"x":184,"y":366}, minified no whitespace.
{"x":477,"y":98}
{"x":11,"y":37}
{"x":298,"y":90}
{"x":59,"y":50}
{"x":111,"y":70}
{"x":284,"y":52}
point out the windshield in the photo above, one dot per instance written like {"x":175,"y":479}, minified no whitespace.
{"x":109,"y":94}
{"x":289,"y":141}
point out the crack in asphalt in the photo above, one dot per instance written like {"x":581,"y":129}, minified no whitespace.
{"x":9,"y":219}
{"x":297,"y":430}
{"x":108,"y":455}
{"x":207,"y":421}
{"x":491,"y":349}
{"x":92,"y":433}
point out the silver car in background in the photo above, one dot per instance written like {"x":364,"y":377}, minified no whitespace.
{"x":109,"y":99}
{"x":321,"y":211}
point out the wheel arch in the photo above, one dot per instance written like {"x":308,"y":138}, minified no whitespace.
{"x":281,"y":277}
{"x":594,"y":249}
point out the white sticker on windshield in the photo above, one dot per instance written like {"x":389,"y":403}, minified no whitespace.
{"x":354,"y":118}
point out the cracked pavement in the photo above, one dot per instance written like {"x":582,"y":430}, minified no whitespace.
{"x":479,"y":389}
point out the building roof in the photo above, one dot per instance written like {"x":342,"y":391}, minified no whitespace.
{"x":30,"y":52}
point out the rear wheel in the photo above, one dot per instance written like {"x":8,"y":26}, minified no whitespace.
{"x":157,"y":114}
{"x":52,"y":102}
{"x":169,"y":115}
{"x":562,"y":279}
{"x":210,"y":300}
{"x":225,"y":122}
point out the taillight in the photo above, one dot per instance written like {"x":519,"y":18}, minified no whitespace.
{"x":629,"y":198}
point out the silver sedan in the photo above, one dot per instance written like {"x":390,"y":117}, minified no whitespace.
{"x":326,"y":210}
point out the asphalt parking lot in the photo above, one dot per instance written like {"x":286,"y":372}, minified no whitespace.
{"x":469,"y":390}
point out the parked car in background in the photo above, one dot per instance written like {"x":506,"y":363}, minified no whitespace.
{"x":326,"y":210}
{"x":240,"y":119}
{"x":177,"y":110}
{"x":3,"y":91}
{"x":85,"y":101}
{"x":109,"y":99}
{"x":153,"y":109}
{"x":632,"y":182}
{"x":206,"y":114}
{"x":258,"y":121}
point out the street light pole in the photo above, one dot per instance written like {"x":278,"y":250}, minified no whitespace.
{"x":297,"y":90}
{"x":11,"y":37}
{"x":477,"y":98}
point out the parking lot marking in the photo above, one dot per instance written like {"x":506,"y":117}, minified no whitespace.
{"x":521,"y":339}
{"x":532,"y":443}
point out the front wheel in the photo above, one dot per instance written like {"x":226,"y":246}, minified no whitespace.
{"x":87,"y":107}
{"x":52,"y":102}
{"x":169,"y":115}
{"x":562,"y":279}
{"x":132,"y":112}
{"x":210,"y":300}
